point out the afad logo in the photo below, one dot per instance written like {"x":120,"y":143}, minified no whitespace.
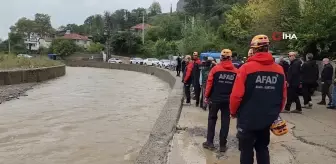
{"x":277,"y":36}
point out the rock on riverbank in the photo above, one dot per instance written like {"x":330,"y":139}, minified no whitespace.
{"x":9,"y":92}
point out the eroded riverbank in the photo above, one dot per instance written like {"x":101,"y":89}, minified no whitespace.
{"x":88,"y":116}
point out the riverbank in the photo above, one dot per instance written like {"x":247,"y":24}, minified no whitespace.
{"x":12,"y":62}
{"x":311,"y":139}
{"x":10,"y":92}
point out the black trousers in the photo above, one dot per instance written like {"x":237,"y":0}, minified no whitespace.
{"x":225,"y":122}
{"x":306,"y":92}
{"x":326,"y":91}
{"x":197,"y":90}
{"x":187,"y":92}
{"x":293,"y":96}
{"x":178,"y":70}
{"x":202,"y":104}
{"x":258,"y":140}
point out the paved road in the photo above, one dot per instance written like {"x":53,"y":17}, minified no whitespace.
{"x":312,"y":139}
{"x":91,"y":115}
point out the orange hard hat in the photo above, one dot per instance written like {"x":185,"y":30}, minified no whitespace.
{"x":279,"y":127}
{"x":259,"y":41}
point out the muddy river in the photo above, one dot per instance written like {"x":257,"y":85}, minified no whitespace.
{"x":89,"y":116}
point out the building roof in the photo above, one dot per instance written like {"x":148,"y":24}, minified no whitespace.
{"x":75,"y":36}
{"x":141,"y":26}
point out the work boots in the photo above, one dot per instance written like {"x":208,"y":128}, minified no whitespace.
{"x":322,"y":103}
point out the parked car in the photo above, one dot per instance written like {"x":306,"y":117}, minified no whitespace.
{"x":136,"y":61}
{"x":24,"y":55}
{"x":277,"y":58}
{"x":151,"y":61}
{"x":114,"y":60}
{"x":164,"y":63}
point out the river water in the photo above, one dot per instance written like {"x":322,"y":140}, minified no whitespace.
{"x":89,"y":116}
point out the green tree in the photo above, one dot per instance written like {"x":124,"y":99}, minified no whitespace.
{"x":63,"y":47}
{"x":43,"y":25}
{"x":126,"y":43}
{"x":154,"y":9}
{"x":95,"y":47}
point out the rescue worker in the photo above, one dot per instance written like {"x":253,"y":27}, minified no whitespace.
{"x":258,"y":96}
{"x":193,"y":71}
{"x":218,"y":89}
{"x":203,"y":78}
{"x":187,"y":79}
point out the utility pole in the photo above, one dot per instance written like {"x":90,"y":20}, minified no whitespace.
{"x":185,"y":22}
{"x":143,"y":28}
{"x":9,"y":45}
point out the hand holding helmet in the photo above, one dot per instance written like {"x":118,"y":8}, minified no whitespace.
{"x":279,"y":127}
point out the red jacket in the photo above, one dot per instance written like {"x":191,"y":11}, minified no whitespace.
{"x":259,"y":93}
{"x":190,"y":68}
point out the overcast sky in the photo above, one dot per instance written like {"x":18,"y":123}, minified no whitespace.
{"x":63,"y":12}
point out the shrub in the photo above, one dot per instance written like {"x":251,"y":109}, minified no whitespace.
{"x":12,"y":62}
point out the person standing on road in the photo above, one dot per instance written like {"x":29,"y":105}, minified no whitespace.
{"x":284,"y":64}
{"x":179,"y":65}
{"x":195,"y":72}
{"x":333,"y":102}
{"x":218,"y":89}
{"x":183,"y":65}
{"x":203,"y":78}
{"x":187,"y":78}
{"x":309,"y":77}
{"x":257,"y":98}
{"x":293,"y":83}
{"x":326,"y":81}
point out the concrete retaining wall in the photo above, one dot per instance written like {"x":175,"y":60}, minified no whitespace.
{"x":10,"y":77}
{"x":156,"y":149}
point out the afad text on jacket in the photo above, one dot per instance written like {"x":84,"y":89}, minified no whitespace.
{"x":259,"y":92}
{"x":220,"y":82}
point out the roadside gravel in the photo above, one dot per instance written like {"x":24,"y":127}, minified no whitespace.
{"x":10,"y":92}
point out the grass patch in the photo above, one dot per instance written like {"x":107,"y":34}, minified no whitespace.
{"x":8,"y":62}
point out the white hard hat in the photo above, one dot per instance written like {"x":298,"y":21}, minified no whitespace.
{"x":210,"y":58}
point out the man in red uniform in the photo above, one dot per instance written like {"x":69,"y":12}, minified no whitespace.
{"x":218,"y":89}
{"x":258,"y":96}
{"x":193,"y":74}
{"x":187,"y":79}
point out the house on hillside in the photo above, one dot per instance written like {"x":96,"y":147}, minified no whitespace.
{"x":139,"y":27}
{"x":35,"y":42}
{"x":80,"y":40}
